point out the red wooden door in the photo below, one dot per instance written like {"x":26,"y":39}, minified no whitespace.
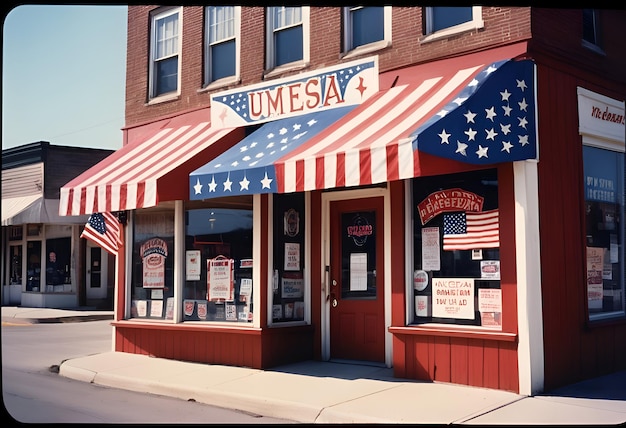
{"x":357,"y":324}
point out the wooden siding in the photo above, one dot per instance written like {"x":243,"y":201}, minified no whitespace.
{"x":574,"y":349}
{"x":214,"y":345}
{"x":22,"y":181}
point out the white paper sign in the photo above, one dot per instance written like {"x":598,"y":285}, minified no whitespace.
{"x":358,"y":272}
{"x":453,"y":298}
{"x":292,"y":256}
{"x":193,"y":265}
{"x":431,"y":254}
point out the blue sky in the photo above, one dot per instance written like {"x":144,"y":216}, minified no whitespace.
{"x":64,"y":75}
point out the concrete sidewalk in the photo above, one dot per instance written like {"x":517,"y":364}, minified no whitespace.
{"x":331,"y":392}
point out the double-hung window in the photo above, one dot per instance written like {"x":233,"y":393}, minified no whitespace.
{"x":222,"y":43}
{"x":366,"y":27}
{"x":444,"y":21}
{"x":165,"y":49}
{"x":287,"y":36}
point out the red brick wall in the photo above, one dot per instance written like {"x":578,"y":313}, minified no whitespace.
{"x":502,"y":26}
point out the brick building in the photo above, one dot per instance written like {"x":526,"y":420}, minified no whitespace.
{"x":437,"y":190}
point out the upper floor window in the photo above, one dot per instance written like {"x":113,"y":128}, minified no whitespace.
{"x":365,"y":26}
{"x":443,"y":21}
{"x":222,"y":42}
{"x":288,"y":35}
{"x":591,"y":28}
{"x":165,"y":48}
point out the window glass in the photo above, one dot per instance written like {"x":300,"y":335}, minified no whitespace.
{"x":152,"y":279}
{"x":456,"y":266}
{"x":288,"y":278}
{"x":446,"y":17}
{"x":221,"y":40}
{"x":165,"y":41}
{"x":604,"y":198}
{"x":287,"y":30}
{"x":57,"y":267}
{"x":15,"y":264}
{"x":33,"y":269}
{"x":218,"y":264}
{"x":367,"y":25}
{"x":590,"y":27}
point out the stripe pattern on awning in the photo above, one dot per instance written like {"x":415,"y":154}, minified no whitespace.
{"x":129,"y":178}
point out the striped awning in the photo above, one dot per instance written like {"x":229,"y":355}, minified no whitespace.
{"x":477,"y":109}
{"x":149,"y":170}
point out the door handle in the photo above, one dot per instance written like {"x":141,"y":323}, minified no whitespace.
{"x":333,"y":300}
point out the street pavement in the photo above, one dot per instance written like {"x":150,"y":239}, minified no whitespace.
{"x":335,"y":392}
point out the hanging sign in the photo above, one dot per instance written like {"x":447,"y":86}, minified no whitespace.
{"x":220,"y":279}
{"x":153,"y":254}
{"x":448,"y":200}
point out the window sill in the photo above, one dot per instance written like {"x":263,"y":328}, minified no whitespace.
{"x":452,"y":31}
{"x":221,"y":83}
{"x":160,"y":324}
{"x":292,"y":66}
{"x":163,"y":99}
{"x":594,"y":48}
{"x":442,"y":330}
{"x":367,"y":49}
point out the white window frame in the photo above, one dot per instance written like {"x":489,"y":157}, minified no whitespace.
{"x":475,"y":24}
{"x":270,"y":54}
{"x":153,"y":53}
{"x":208,"y":81}
{"x":348,"y":50}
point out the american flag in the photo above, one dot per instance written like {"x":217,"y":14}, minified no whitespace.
{"x":104,"y":230}
{"x":471,"y":230}
{"x":491,"y":120}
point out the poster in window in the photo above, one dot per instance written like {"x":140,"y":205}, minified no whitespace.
{"x":202,"y":309}
{"x":292,"y":285}
{"x":291,"y":223}
{"x":277,"y":312}
{"x":431,"y":255}
{"x":153,"y":254}
{"x":169,"y":308}
{"x":358,"y":272}
{"x":453,"y":298}
{"x":245,"y":290}
{"x":490,"y":307}
{"x":156,"y":308}
{"x":142,"y":307}
{"x":220,"y":279}
{"x":292,"y":256}
{"x":231,"y":311}
{"x":188,"y":307}
{"x":192,"y":265}
{"x":490,"y":269}
{"x":595,"y":265}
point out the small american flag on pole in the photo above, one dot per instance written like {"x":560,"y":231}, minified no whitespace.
{"x":104,"y":230}
{"x":471,"y":230}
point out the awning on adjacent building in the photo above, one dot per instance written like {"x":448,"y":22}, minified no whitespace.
{"x":35,"y":209}
{"x":13,"y":206}
{"x":477,"y":109}
{"x":148,"y":170}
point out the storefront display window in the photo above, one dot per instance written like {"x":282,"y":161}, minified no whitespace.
{"x":15,"y":261}
{"x":218,"y":262}
{"x":58,"y":253}
{"x":152,"y":281}
{"x":33,"y":269}
{"x":288,"y":272}
{"x":604,"y":199}
{"x":456,"y":267}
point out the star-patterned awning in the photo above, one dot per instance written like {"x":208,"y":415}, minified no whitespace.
{"x":491,"y":120}
{"x":477,"y":109}
{"x":248,"y":167}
